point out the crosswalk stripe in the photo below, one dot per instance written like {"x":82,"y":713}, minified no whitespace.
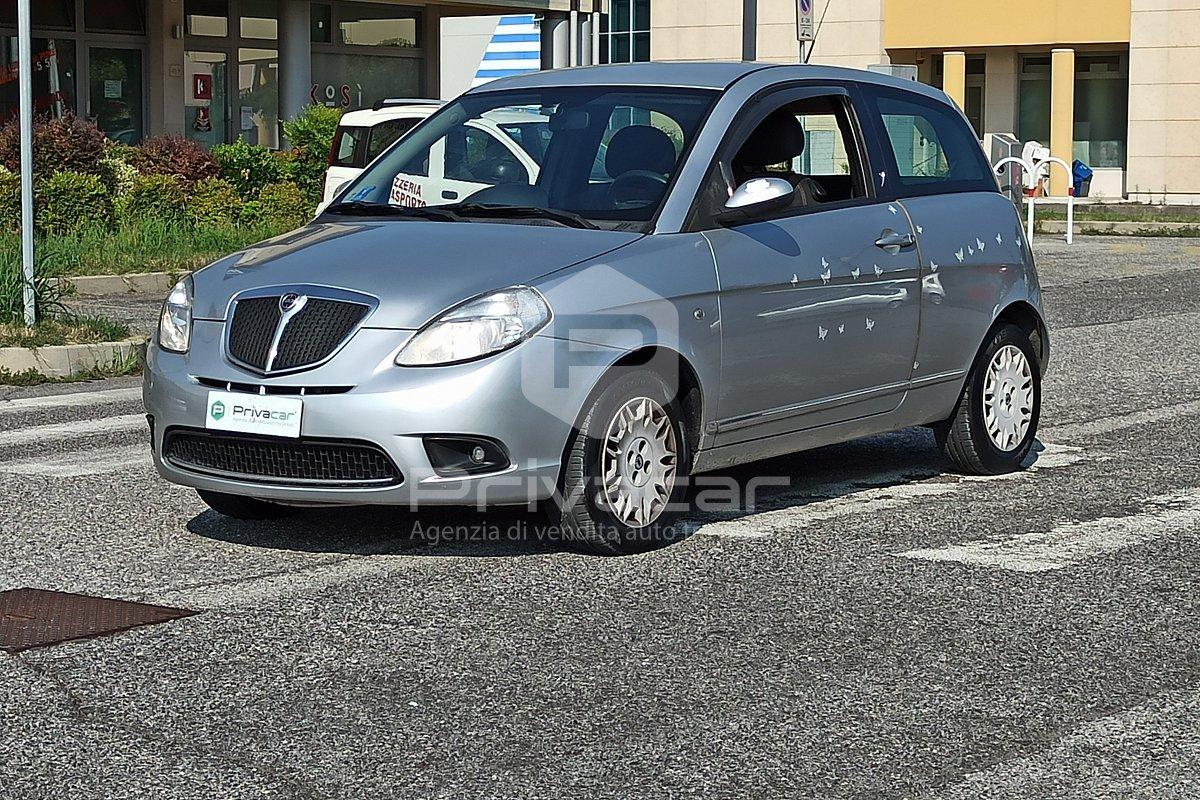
{"x":1079,"y":430}
{"x":66,"y":430}
{"x":72,"y":400}
{"x":890,"y":490}
{"x":76,"y":465}
{"x":1072,"y":542}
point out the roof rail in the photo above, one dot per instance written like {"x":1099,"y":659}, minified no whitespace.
{"x":407,"y":101}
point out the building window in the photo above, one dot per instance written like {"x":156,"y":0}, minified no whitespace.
{"x":53,"y":77}
{"x":207,"y":17}
{"x":379,"y":26}
{"x":56,"y":14}
{"x":1033,"y":106}
{"x":259,"y":19}
{"x":115,"y":16}
{"x":1101,"y":108}
{"x":626,"y":32}
{"x":976,"y":87}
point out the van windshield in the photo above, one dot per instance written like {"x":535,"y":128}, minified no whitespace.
{"x":604,"y":154}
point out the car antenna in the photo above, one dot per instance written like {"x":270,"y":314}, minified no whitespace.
{"x":808,"y":51}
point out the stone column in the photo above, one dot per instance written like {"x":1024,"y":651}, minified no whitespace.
{"x":954,"y":76}
{"x":556,"y":40}
{"x":295,"y":57}
{"x":1062,"y":117}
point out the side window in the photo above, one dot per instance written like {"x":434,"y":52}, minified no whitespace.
{"x":476,"y":156}
{"x":345,"y":147}
{"x":385,"y":134}
{"x":935,"y":149}
{"x":809,"y":143}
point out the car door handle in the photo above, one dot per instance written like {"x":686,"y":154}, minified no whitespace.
{"x":448,"y":195}
{"x":894,"y":242}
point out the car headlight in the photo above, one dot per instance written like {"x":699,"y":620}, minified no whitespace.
{"x":477,"y":328}
{"x":175,"y":324}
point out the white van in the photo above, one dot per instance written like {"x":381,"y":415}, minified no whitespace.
{"x":362,"y":135}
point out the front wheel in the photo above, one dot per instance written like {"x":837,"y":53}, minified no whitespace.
{"x":624,"y":476}
{"x":994,"y":425}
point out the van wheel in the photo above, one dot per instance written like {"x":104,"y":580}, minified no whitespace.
{"x":249,"y":508}
{"x":624,"y":477}
{"x":994,"y":425}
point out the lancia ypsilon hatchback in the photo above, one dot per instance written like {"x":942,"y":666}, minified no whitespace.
{"x":710,"y":264}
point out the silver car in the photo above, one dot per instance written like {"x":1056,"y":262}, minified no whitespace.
{"x":714,"y":264}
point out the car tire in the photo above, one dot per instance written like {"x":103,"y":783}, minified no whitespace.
{"x":248,"y":508}
{"x":996,"y":420}
{"x":634,"y":430}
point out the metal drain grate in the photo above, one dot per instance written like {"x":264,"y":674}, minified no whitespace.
{"x":36,"y":617}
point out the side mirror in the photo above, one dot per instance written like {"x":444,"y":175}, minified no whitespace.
{"x":757,"y":196}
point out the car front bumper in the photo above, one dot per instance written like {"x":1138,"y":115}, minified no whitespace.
{"x":514,"y":398}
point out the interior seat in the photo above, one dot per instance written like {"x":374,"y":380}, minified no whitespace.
{"x":779,"y":139}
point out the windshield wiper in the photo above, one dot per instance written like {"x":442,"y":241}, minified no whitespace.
{"x":363,"y":208}
{"x":489,"y":210}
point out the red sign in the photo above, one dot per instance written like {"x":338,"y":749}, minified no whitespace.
{"x":202,"y":86}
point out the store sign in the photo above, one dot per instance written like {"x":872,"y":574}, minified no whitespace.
{"x":804,"y":20}
{"x":202,"y":86}
{"x":332,"y":96}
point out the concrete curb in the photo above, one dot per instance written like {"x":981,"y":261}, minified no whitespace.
{"x":158,"y":283}
{"x":1054,"y":226}
{"x":63,"y":361}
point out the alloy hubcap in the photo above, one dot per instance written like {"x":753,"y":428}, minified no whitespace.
{"x":1008,"y":398}
{"x":639,"y":462}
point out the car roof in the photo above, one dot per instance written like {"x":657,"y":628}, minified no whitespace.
{"x":368,"y":117}
{"x":717,"y":75}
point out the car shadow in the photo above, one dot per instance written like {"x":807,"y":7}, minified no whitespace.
{"x":794,"y":481}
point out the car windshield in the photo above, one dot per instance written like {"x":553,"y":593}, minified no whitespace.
{"x":603,"y":156}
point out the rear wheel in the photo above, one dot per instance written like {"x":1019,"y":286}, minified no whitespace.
{"x":236,"y":507}
{"x":993,"y":428}
{"x":624,"y":476}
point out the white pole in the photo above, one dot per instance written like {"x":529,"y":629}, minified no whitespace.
{"x":25,"y":76}
{"x":1032,"y":201}
{"x":1071,"y":217}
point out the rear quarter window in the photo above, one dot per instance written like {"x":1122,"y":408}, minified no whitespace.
{"x":385,"y":134}
{"x":347,"y":147}
{"x":933,"y":148}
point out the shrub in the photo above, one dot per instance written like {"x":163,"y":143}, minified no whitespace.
{"x":10,"y":199}
{"x":58,"y":144}
{"x":119,"y":173}
{"x":214,"y":202}
{"x":175,"y":155}
{"x":310,"y":134}
{"x":68,"y":201}
{"x":159,"y":198}
{"x":249,"y":167}
{"x":280,"y":205}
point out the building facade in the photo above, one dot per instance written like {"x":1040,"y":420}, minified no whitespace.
{"x":1113,"y":83}
{"x":219,"y":70}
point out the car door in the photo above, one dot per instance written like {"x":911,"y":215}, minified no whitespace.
{"x":819,"y":302}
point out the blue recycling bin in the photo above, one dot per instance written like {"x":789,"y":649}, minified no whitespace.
{"x":1082,"y":175}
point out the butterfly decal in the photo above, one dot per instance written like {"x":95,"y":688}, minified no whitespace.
{"x":999,"y":239}
{"x":855,"y":273}
{"x":826,"y":273}
{"x":933,"y":266}
{"x":882,"y":179}
{"x":980,"y":244}
{"x":893,"y":209}
{"x":870,"y":324}
{"x":920,"y":229}
{"x":878,"y":271}
{"x":822,"y":333}
{"x":795,"y":280}
{"x":960,"y":255}
{"x":842,"y":328}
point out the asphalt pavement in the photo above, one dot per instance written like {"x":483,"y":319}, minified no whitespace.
{"x":878,"y":628}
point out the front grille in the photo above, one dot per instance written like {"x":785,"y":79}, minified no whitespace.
{"x":270,"y":389}
{"x":315,"y":463}
{"x":316,"y":332}
{"x":252,"y":330}
{"x":311,"y":336}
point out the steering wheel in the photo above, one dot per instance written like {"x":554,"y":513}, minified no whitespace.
{"x":636,"y":189}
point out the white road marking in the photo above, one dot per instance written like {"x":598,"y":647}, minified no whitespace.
{"x":78,"y":464}
{"x":72,"y":400}
{"x":890,"y":490}
{"x":1079,"y":430}
{"x":67,"y":430}
{"x":1072,"y":542}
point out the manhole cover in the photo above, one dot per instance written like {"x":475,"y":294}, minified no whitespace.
{"x":36,"y":618}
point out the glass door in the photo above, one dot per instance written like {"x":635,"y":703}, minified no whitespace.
{"x":206,"y":104}
{"x":115,"y":99}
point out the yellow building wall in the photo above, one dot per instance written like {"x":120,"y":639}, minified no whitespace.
{"x":961,"y":23}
